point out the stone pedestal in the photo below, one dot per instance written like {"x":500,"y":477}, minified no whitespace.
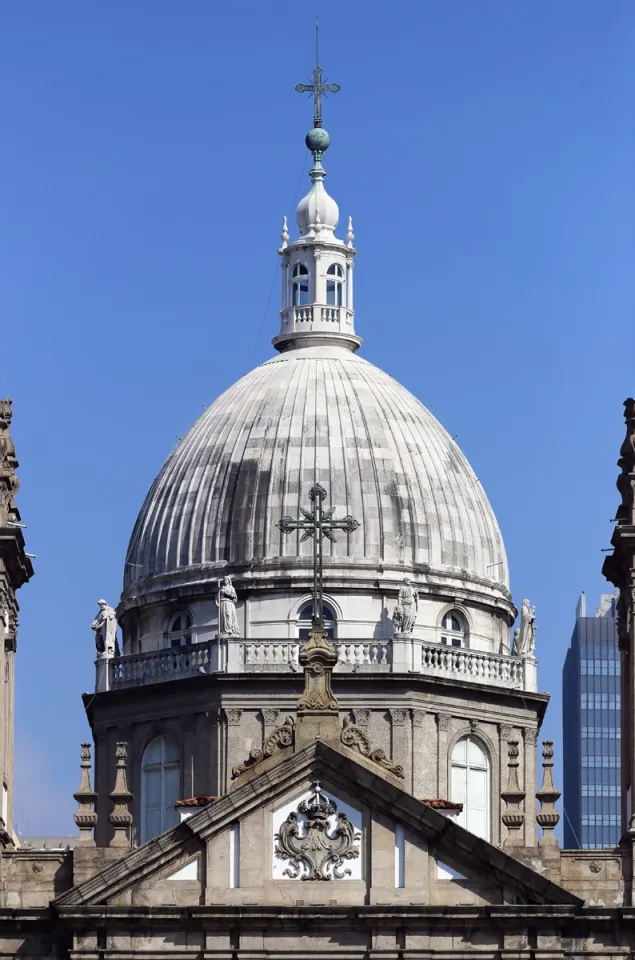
{"x":102,"y":673}
{"x":401,"y":653}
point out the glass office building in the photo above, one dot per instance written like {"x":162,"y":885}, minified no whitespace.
{"x":591,"y":724}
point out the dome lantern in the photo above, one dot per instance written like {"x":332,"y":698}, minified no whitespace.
{"x":317,"y":267}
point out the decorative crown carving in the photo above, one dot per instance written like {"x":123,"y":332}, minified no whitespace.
{"x":315,"y":850}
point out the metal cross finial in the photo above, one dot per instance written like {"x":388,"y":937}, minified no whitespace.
{"x":317,"y":88}
{"x":317,"y":523}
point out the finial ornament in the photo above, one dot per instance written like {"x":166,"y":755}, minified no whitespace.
{"x":85,"y":817}
{"x":514,"y":798}
{"x":120,"y":817}
{"x":318,"y":89}
{"x":547,"y":817}
{"x":284,"y":236}
{"x":350,"y":236}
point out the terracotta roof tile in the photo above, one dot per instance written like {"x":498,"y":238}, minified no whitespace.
{"x":443,"y":804}
{"x":195,"y":802}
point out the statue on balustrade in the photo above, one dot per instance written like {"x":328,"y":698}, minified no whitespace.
{"x":405,"y":613}
{"x":525,"y":637}
{"x":105,"y":627}
{"x":227,"y":619}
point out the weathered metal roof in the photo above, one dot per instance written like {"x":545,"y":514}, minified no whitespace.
{"x":316,"y":414}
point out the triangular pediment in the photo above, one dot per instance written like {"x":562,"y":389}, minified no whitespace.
{"x":390,"y":842}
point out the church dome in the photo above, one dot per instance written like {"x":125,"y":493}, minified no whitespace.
{"x":318,"y":413}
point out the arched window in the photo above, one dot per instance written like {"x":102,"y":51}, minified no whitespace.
{"x":470,"y":785}
{"x":160,"y":787}
{"x":180,"y":630}
{"x":334,"y":278}
{"x":453,"y":632}
{"x":300,"y":285}
{"x":305,"y":620}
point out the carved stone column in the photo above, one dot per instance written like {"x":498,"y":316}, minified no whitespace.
{"x":548,"y":816}
{"x":443,"y":727}
{"x":121,"y":818}
{"x":513,"y":817}
{"x":400,"y":747}
{"x":85,"y":817}
{"x":530,"y":737}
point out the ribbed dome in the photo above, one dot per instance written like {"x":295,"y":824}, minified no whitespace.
{"x":325,"y":414}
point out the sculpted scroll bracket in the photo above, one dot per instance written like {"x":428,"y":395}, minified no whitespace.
{"x":281,"y":737}
{"x":355,"y":738}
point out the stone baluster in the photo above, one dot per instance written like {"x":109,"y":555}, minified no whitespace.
{"x":547,"y":817}
{"x":85,"y":817}
{"x":514,"y":798}
{"x":121,"y":818}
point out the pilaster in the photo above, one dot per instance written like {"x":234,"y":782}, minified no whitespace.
{"x":443,"y":727}
{"x":422,"y":736}
{"x":234,"y":749}
{"x":530,"y":738}
{"x":505,"y":731}
{"x":400,"y":749}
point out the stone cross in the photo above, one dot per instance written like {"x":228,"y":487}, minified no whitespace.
{"x":317,"y":88}
{"x":317,"y":523}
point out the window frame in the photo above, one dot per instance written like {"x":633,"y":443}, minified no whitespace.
{"x":300,"y":279}
{"x":487,"y":768}
{"x":183,"y":636}
{"x":164,"y":765}
{"x":334,"y":285}
{"x":450,"y":637}
{"x":304,"y":623}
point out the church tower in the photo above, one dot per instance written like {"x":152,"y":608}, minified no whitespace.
{"x":15,"y":570}
{"x":318,"y":491}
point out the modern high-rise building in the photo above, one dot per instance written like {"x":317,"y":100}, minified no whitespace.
{"x":591,"y":722}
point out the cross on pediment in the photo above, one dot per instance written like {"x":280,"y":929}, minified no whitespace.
{"x":317,"y":523}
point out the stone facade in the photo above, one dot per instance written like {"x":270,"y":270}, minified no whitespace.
{"x":15,"y":570}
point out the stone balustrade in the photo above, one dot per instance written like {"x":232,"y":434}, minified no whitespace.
{"x":252,"y":656}
{"x":158,"y":665}
{"x":351,"y":654}
{"x":458,"y":663}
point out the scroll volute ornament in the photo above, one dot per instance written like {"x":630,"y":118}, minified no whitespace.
{"x":318,"y":657}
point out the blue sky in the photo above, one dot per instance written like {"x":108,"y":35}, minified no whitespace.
{"x":149,"y":151}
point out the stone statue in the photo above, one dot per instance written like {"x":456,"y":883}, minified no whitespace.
{"x":405,"y":613}
{"x":227,"y":619}
{"x":105,"y":627}
{"x":9,"y":483}
{"x":525,"y":637}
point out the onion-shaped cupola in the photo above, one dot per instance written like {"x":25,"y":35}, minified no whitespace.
{"x":317,"y":267}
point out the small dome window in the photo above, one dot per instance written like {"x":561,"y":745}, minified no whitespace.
{"x":453,"y":632}
{"x":305,"y":621}
{"x":300,"y":277}
{"x":180,"y":630}
{"x":334,"y":284}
